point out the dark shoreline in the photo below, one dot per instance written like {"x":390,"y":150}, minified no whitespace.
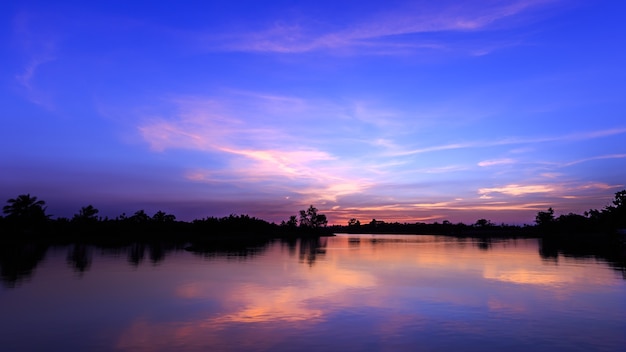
{"x":98,"y":232}
{"x":27,"y":220}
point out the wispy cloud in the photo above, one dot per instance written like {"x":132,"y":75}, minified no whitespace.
{"x":384,"y":32}
{"x":253,"y":154}
{"x":25,"y":78}
{"x":554,"y":189}
{"x":573,"y":137}
{"x":39,"y":47}
{"x":494,"y":162}
{"x":261,"y":149}
{"x":599,"y":157}
{"x":517,"y":190}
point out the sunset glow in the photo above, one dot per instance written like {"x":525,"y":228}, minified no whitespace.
{"x":398,"y":111}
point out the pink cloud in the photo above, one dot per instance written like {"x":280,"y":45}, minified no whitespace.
{"x":266,"y":156}
{"x":494,"y":162}
{"x":251,"y":153}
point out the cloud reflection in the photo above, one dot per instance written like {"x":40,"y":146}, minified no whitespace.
{"x":416,"y":280}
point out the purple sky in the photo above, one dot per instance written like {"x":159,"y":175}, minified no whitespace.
{"x":397,"y":110}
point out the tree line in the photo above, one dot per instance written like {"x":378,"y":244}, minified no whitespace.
{"x":609,"y":219}
{"x":26,"y":215}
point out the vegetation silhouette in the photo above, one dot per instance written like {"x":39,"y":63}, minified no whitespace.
{"x":26,"y":218}
{"x":86,"y":214}
{"x":26,"y":232}
{"x":311,"y":220}
{"x":25,"y":213}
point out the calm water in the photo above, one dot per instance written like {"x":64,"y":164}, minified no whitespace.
{"x":346,"y":293}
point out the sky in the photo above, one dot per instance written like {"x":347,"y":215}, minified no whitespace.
{"x":408,"y":111}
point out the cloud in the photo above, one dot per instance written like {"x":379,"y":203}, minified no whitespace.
{"x":494,"y":162}
{"x":599,"y":157}
{"x":262,"y":299}
{"x":253,"y":152}
{"x":551,"y":175}
{"x":517,"y":190}
{"x":250,"y":143}
{"x":526,"y":277}
{"x":573,"y":137}
{"x":25,"y":78}
{"x":38,"y":47}
{"x":384,"y":32}
{"x":555,"y":190}
{"x":438,"y":209}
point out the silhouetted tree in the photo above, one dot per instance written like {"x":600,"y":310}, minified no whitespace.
{"x":139,"y":217}
{"x":545,"y":218}
{"x":613,"y":217}
{"x":617,"y":212}
{"x":292,"y":222}
{"x":593,"y":214}
{"x":311,"y":219}
{"x":573,"y":223}
{"x":354,"y":222}
{"x":25,"y":207}
{"x":610,"y":218}
{"x":26,"y":214}
{"x":87,"y":213}
{"x":161,"y":217}
{"x":483,"y":223}
{"x":620,"y":199}
{"x":375,"y":223}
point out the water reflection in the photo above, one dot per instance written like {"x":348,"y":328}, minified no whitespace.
{"x":136,"y":252}
{"x":350,"y":292}
{"x":312,"y":248}
{"x":238,"y":248}
{"x":387,"y":293}
{"x":79,"y":257}
{"x":18,"y":261}
{"x":613,"y":253}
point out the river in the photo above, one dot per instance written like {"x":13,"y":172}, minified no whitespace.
{"x":343,"y":293}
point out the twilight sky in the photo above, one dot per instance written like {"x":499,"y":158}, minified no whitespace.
{"x":397,"y":110}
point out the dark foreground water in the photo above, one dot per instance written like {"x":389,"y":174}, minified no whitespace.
{"x":346,"y":293}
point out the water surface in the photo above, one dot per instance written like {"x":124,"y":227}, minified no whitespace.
{"x":344,"y":293}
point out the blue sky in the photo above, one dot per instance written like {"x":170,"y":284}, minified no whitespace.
{"x":399,"y":111}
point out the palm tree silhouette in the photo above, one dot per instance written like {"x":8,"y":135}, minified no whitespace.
{"x":25,"y":207}
{"x":161,"y":216}
{"x":88,"y":213}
